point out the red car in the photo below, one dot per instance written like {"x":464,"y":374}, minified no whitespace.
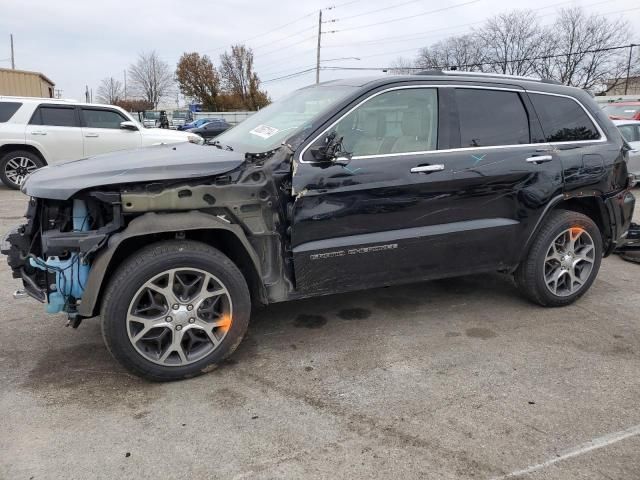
{"x":623,"y":110}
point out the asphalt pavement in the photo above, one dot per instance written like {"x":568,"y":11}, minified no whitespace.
{"x":454,"y":379}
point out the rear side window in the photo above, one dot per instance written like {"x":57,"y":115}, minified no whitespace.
{"x":491,"y":117}
{"x":7,"y":109}
{"x":99,"y":118}
{"x":563,"y":119}
{"x":55,"y":116}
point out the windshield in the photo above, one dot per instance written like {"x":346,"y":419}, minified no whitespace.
{"x":269,"y":127}
{"x":179,"y":114}
{"x":151,"y":115}
{"x":621,"y":111}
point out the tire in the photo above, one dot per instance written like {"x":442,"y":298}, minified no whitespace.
{"x":550,"y":260}
{"x":133,"y":295}
{"x":15,"y":165}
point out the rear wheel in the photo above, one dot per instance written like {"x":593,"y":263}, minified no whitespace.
{"x":16,"y":165}
{"x":175,"y":309}
{"x":563,"y":260}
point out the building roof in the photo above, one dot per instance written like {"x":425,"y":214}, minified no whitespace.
{"x":41,"y":75}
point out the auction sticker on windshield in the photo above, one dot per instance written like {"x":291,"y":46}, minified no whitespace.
{"x":264,"y":131}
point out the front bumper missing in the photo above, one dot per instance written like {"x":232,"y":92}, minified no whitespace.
{"x":14,"y":243}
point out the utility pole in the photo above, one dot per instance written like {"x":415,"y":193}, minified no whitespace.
{"x":318,"y":52}
{"x":626,"y":83}
{"x":13,"y":59}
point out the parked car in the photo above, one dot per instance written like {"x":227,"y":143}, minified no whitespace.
{"x":151,"y":118}
{"x":623,"y":110}
{"x":35,"y":132}
{"x":346,"y":185}
{"x":211,"y":129}
{"x":195,"y":123}
{"x":630,"y":130}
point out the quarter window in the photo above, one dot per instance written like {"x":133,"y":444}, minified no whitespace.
{"x":563,"y":119}
{"x":98,"y":118}
{"x":398,"y":121}
{"x":7,"y":109}
{"x":490,"y":118}
{"x":55,"y":116}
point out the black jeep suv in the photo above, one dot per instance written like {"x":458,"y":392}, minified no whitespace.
{"x":344,"y":185}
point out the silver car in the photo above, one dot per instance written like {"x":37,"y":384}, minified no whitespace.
{"x":630,"y":130}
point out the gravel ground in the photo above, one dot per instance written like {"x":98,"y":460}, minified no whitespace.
{"x":458,"y":378}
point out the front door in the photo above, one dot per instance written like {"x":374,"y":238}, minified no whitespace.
{"x":382,"y":217}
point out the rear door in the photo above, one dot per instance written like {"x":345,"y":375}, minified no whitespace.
{"x":383,"y":217}
{"x":504,"y":174}
{"x":56,"y":129}
{"x":102,"y":132}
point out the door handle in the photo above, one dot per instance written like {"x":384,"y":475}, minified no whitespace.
{"x":427,"y":168}
{"x":91,"y":135}
{"x":540,"y":159}
{"x":38,"y":132}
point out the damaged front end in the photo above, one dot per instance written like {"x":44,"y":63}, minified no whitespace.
{"x":65,"y":251}
{"x":52,"y":252}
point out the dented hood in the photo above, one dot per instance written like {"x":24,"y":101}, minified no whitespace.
{"x":150,"y":164}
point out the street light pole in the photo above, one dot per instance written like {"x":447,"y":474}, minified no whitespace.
{"x":626,"y":83}
{"x":318,"y":51}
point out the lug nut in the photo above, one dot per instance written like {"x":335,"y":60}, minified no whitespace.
{"x":189,"y":307}
{"x":176,"y":306}
{"x":192,"y":320}
{"x":168,"y":319}
{"x":178,"y":327}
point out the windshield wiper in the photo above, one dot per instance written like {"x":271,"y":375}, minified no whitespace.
{"x":216,"y":143}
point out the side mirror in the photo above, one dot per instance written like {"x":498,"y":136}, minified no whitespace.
{"x":129,"y":126}
{"x":331,"y":150}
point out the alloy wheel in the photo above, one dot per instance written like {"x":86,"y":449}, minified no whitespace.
{"x":569,"y":261}
{"x":17,"y":169}
{"x":179,"y":316}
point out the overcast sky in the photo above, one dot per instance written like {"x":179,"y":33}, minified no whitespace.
{"x":78,"y":43}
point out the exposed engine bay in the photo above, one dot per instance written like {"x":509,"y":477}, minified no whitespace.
{"x":55,"y":252}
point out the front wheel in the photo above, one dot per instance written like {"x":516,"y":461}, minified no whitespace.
{"x":175,"y":309}
{"x":563,"y":260}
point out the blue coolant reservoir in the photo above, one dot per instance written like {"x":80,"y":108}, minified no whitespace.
{"x":71,"y":273}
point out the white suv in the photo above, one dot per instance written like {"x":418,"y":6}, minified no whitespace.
{"x":35,"y":132}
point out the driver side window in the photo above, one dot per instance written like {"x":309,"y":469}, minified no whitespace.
{"x":398,"y":121}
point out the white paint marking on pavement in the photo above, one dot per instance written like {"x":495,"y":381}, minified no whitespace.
{"x":594,"y":444}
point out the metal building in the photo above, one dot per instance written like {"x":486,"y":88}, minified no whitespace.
{"x":25,"y":84}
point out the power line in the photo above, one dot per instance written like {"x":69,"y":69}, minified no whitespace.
{"x":291,"y":75}
{"x":450,"y":7}
{"x":487,"y":64}
{"x":377,"y":10}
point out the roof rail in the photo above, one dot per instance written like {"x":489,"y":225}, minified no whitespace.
{"x":486,"y":74}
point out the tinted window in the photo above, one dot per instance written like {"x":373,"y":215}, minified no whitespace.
{"x":489,"y":117}
{"x":98,"y":118}
{"x":7,"y":109}
{"x":399,"y":121}
{"x":55,"y":116}
{"x":563,"y":119}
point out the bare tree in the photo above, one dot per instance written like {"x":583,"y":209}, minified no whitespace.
{"x":151,"y":77}
{"x":580,"y":50}
{"x":239,"y":78}
{"x":110,"y":91}
{"x":511,"y":42}
{"x":402,"y":66}
{"x":462,"y":52}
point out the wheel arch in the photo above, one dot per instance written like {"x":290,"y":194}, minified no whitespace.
{"x":592,"y":206}
{"x":12,"y":147}
{"x":148,"y":228}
